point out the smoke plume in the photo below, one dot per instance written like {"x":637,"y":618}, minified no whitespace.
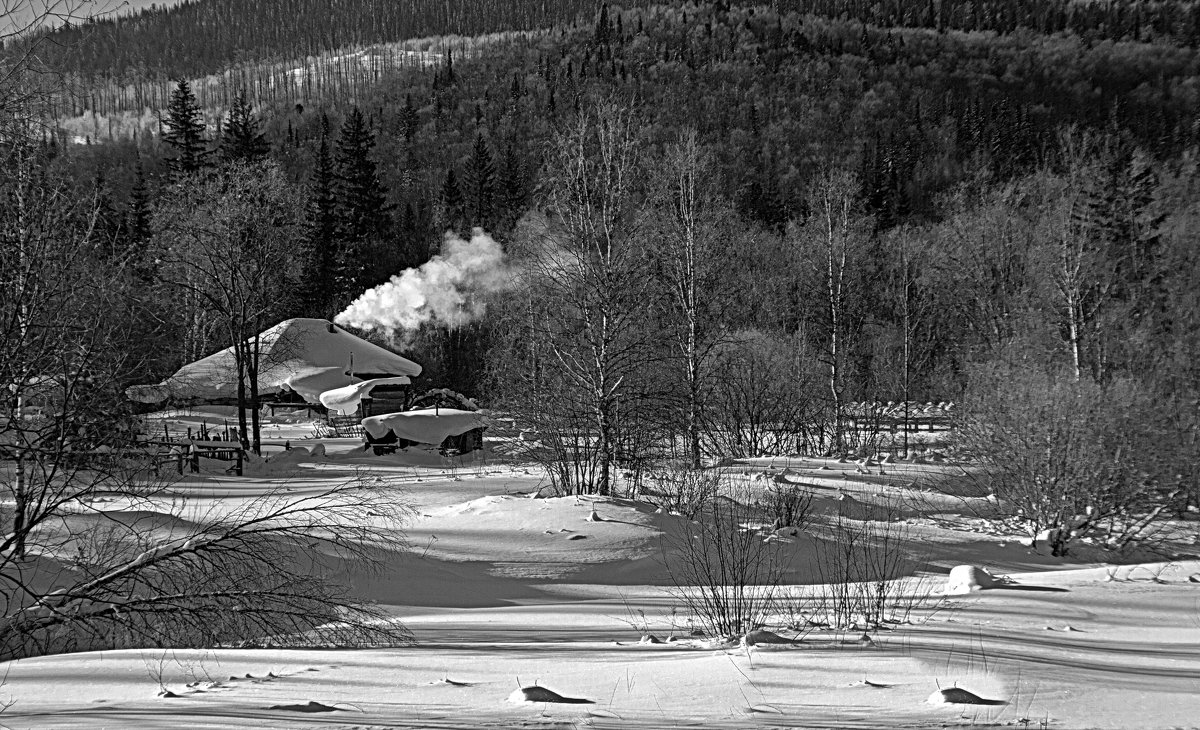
{"x":447,"y":290}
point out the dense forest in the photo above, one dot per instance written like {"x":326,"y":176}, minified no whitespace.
{"x":888,"y":202}
{"x":205,"y":36}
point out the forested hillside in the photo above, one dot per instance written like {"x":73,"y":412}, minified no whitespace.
{"x":199,"y":37}
{"x":895,"y":203}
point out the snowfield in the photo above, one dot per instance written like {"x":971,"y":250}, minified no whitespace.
{"x":518,"y":604}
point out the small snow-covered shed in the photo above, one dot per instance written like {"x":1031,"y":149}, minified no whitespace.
{"x":299,"y":359}
{"x":451,"y":429}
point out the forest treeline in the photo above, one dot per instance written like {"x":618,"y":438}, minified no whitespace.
{"x":202,"y":37}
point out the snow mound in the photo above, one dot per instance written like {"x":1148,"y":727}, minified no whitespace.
{"x":960,"y":696}
{"x":762,"y":637}
{"x":309,"y":707}
{"x":541,"y":694}
{"x":968,"y":578}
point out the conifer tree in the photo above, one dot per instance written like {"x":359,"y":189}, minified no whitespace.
{"x":138,"y":215}
{"x":452,"y":202}
{"x":481,"y":185}
{"x":410,"y":120}
{"x":107,"y":221}
{"x":360,"y":201}
{"x":319,"y":275}
{"x":513,"y":192}
{"x":184,"y":131}
{"x":242,"y":139}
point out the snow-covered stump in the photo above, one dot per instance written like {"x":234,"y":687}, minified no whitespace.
{"x":968,"y":579}
{"x":536,"y":694}
{"x":960,"y":696}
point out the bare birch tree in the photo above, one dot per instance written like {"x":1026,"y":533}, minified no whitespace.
{"x":588,"y":295}
{"x":695,"y":235}
{"x":831,"y":243}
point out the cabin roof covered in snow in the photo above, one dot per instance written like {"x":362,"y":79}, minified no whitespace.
{"x":308,"y":356}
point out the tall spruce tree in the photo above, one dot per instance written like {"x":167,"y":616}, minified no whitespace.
{"x":363,"y":222}
{"x":184,"y":131}
{"x":410,"y":119}
{"x":452,"y":217}
{"x":481,"y":185}
{"x":513,"y":188}
{"x":318,"y":288}
{"x":243,"y":138}
{"x":137,"y":217}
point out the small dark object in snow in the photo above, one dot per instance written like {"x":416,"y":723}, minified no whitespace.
{"x":960,"y":696}
{"x":650,"y":639}
{"x":453,"y":683}
{"x":872,"y":685}
{"x":541,"y":694}
{"x":577,"y":537}
{"x":1194,"y":578}
{"x":167,"y":694}
{"x":310,"y":707}
{"x":594,"y":516}
{"x":762,"y":636}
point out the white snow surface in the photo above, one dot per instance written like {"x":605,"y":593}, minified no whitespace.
{"x":308,"y":356}
{"x":425,"y":426}
{"x":502,"y":591}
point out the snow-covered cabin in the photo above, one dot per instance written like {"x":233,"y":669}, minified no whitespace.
{"x":299,"y":360}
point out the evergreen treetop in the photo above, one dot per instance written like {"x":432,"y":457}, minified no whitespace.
{"x":243,"y":138}
{"x":184,"y":131}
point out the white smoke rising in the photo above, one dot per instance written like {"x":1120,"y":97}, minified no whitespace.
{"x":446,"y":290}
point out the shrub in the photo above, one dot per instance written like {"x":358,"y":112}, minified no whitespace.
{"x":724,"y":571}
{"x":858,"y":566}
{"x":787,"y":504}
{"x":1067,"y":458}
{"x":682,"y":490}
